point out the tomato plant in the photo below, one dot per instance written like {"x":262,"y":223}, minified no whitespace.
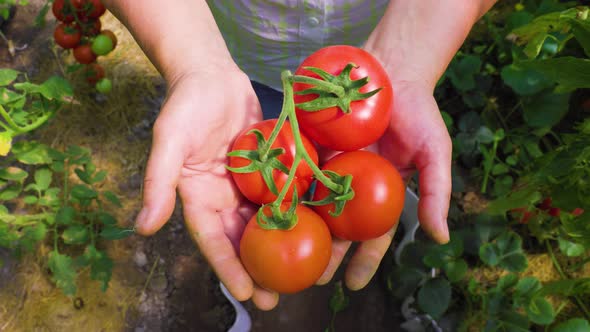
{"x":357,"y":98}
{"x":62,"y":12}
{"x":89,"y":8}
{"x":379,"y":192}
{"x":93,"y":73}
{"x":67,"y":36}
{"x":257,"y":185}
{"x":104,"y":85}
{"x":287,"y":261}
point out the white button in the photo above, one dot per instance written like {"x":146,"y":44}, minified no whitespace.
{"x":313,"y":21}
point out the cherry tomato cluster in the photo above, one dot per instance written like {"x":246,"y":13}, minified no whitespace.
{"x":340,"y":99}
{"x":544,"y":208}
{"x":79,"y":29}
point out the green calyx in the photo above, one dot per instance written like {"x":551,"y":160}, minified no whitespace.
{"x":278,"y":219}
{"x":262,"y":160}
{"x":332,"y":90}
{"x":339,"y":198}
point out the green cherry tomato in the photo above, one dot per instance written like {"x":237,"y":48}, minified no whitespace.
{"x":102,"y":45}
{"x":104,"y":85}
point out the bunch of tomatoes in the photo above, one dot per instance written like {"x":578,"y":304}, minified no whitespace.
{"x":80,"y":30}
{"x":339,"y":99}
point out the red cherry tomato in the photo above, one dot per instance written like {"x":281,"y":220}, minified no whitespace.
{"x":89,"y":8}
{"x":379,"y":193}
{"x":252,"y":185}
{"x":287,"y":261}
{"x":83,"y":54}
{"x":66,"y":36}
{"x":368,"y":118}
{"x":93,"y":73}
{"x":62,"y":12}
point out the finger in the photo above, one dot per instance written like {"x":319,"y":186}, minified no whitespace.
{"x":435,"y":192}
{"x":339,"y":249}
{"x":161,"y":178}
{"x":207,"y":230}
{"x":264,"y":299}
{"x":366,"y":259}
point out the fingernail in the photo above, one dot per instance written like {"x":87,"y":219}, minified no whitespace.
{"x":141,"y":218}
{"x":442,"y":234}
{"x":359,"y":276}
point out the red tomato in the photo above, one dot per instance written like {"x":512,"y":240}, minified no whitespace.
{"x":93,"y":73}
{"x":577,"y":211}
{"x":545,"y":204}
{"x":523,"y":214}
{"x":62,"y":12}
{"x":287,"y":261}
{"x":89,"y":27}
{"x":66,"y":36}
{"x":252,"y":184}
{"x":83,"y":54}
{"x":89,"y":8}
{"x":379,"y":193}
{"x":368,"y":118}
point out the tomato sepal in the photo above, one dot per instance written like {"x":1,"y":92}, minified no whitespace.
{"x":263,"y":162}
{"x":338,"y":198}
{"x":332,"y":90}
{"x":278,"y":219}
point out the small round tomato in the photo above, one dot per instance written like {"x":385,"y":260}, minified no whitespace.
{"x":379,"y":193}
{"x":104,"y":85}
{"x":62,"y":12}
{"x":89,"y":26}
{"x":252,"y":185}
{"x":287,"y":261}
{"x":93,"y":73}
{"x":83,"y":54}
{"x":66,"y":36}
{"x":111,"y":35}
{"x":102,"y":45}
{"x":89,"y":8}
{"x":368,"y":118}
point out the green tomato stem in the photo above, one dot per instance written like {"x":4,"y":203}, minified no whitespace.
{"x":274,"y":134}
{"x":323,"y":85}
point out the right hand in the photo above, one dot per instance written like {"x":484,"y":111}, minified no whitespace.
{"x":203,"y":113}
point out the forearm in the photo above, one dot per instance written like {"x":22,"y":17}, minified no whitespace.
{"x":416,"y":40}
{"x":177,"y":36}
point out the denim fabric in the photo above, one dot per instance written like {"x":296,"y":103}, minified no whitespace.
{"x":270,"y":99}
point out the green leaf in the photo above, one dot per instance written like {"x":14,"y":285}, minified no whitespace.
{"x":112,"y":197}
{"x":7,"y":76}
{"x":455,"y":270}
{"x":434,"y":297}
{"x":50,"y":198}
{"x":101,"y":268}
{"x":43,"y":178}
{"x":99,"y":177}
{"x":404,"y":280}
{"x":31,"y":153}
{"x":506,"y":282}
{"x":545,"y":109}
{"x":106,"y":218}
{"x":64,"y":274}
{"x":505,"y":251}
{"x":111,"y":232}
{"x":83,"y":175}
{"x":500,"y":169}
{"x":512,"y":160}
{"x":533,"y":48}
{"x":572,"y":325}
{"x":13,"y":174}
{"x":569,"y":72}
{"x":566,"y":287}
{"x":462,"y":72}
{"x":83,"y":192}
{"x":338,"y":301}
{"x":570,"y":249}
{"x":524,"y":82}
{"x":56,"y":88}
{"x":540,"y":311}
{"x":524,"y":197}
{"x":502,"y":185}
{"x":581,"y":31}
{"x":75,"y":234}
{"x":484,"y":135}
{"x":65,"y":215}
{"x":525,"y":290}
{"x":30,"y":199}
{"x":11,"y":192}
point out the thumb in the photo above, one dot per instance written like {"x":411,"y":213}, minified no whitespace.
{"x":161,"y":178}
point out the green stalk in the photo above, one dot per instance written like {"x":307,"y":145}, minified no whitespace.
{"x":321,"y":84}
{"x":488,"y":169}
{"x":289,"y":109}
{"x":576,"y":299}
{"x":273,"y":135}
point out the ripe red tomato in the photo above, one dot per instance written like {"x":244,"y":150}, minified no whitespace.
{"x":62,"y":12}
{"x":379,"y":193}
{"x":368,"y":118}
{"x":252,"y":184}
{"x":66,"y":36}
{"x":93,"y":73}
{"x":89,"y":26}
{"x":287,"y":261}
{"x":89,"y":8}
{"x":83,"y":54}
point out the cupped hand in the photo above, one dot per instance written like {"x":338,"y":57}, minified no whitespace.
{"x":416,"y":140}
{"x":201,"y":116}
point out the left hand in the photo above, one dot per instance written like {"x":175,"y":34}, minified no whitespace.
{"x":416,"y":140}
